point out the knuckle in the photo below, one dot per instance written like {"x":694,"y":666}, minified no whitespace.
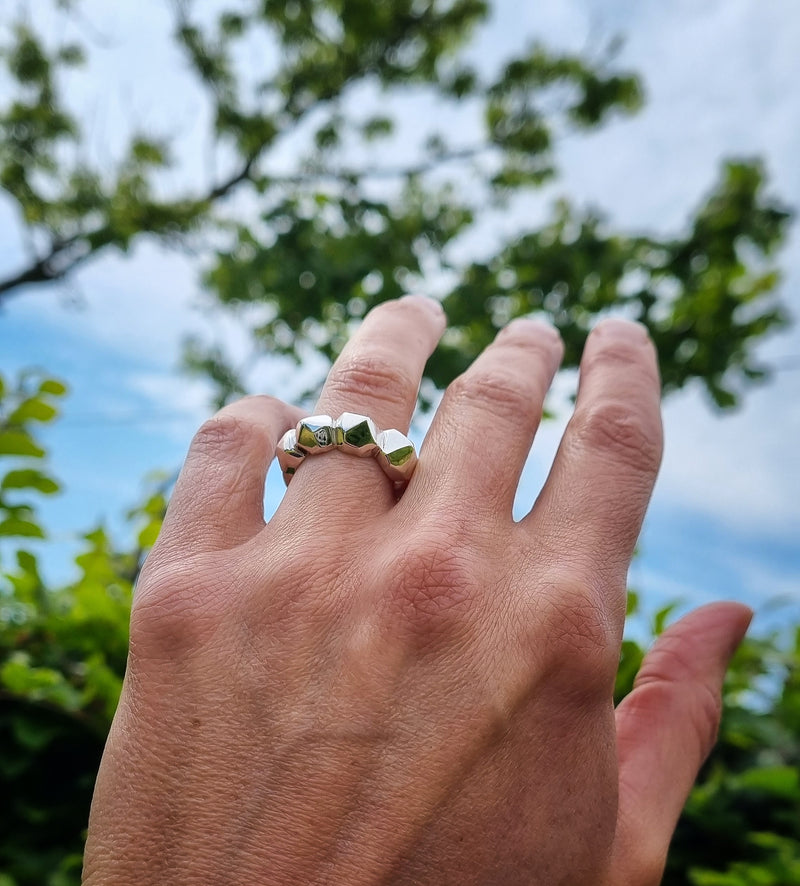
{"x":431,"y":587}
{"x":494,"y":391}
{"x":666,"y":668}
{"x":581,"y":638}
{"x":173,"y":613}
{"x":221,"y":434}
{"x":704,"y":716}
{"x":645,"y":861}
{"x":262,"y":400}
{"x":701,"y":707}
{"x":266,"y":404}
{"x":622,"y":433}
{"x":371,"y":377}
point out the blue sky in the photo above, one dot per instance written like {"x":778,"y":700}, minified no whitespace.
{"x":721,"y":81}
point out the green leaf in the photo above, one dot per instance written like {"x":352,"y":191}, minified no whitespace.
{"x":781,"y":781}
{"x":33,"y":409}
{"x":52,"y":386}
{"x":17,"y":442}
{"x":31,"y":733}
{"x":14,"y":527}
{"x":29,"y":478}
{"x":27,"y":562}
{"x":148,"y":535}
{"x":72,"y":55}
{"x":377,"y":127}
{"x":148,"y":152}
{"x":232,"y":24}
{"x":44,"y":684}
{"x":661,"y":617}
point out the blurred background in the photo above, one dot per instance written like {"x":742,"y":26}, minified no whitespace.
{"x":202,"y":199}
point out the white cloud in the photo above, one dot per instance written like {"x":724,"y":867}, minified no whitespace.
{"x":774,"y":588}
{"x":743,"y":469}
{"x":184,"y":400}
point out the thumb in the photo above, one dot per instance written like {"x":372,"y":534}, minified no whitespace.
{"x":666,"y":728}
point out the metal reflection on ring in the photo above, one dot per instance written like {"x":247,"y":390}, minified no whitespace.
{"x":352,"y":433}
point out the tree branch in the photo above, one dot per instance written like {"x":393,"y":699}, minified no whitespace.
{"x":224,"y":188}
{"x":45,"y":269}
{"x":64,"y":256}
{"x":379,"y":172}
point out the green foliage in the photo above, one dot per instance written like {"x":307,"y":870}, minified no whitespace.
{"x":330,"y":237}
{"x":32,"y":400}
{"x":62,"y":653}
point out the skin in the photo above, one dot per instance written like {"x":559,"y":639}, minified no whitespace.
{"x":373,"y":691}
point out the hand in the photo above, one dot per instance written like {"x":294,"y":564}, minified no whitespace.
{"x":372,"y":691}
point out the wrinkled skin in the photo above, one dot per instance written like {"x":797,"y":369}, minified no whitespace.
{"x":373,"y":691}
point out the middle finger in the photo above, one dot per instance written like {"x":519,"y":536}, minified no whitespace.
{"x":482,"y":433}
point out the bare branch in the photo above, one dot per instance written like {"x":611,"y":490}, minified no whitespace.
{"x":53,"y":266}
{"x":380,"y":172}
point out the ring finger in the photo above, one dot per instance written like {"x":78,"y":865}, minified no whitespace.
{"x":377,"y":374}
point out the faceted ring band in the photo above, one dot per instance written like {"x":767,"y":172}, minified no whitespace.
{"x":350,"y":433}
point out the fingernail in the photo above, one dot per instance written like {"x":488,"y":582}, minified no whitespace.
{"x":533,"y":325}
{"x":747,"y":620}
{"x":431,"y":304}
{"x":615,"y":329}
{"x":738,"y":625}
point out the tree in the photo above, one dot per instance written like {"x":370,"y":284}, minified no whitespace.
{"x":321,"y":243}
{"x":337,"y":233}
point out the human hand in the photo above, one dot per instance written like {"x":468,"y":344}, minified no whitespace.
{"x":367,"y":690}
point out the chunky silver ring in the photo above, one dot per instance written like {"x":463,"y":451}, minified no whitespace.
{"x":351,"y":433}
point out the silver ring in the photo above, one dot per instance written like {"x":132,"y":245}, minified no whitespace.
{"x":350,"y":433}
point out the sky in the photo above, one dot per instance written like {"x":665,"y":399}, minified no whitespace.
{"x":720,"y":78}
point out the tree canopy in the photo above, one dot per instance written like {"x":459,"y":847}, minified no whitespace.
{"x":322,"y":228}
